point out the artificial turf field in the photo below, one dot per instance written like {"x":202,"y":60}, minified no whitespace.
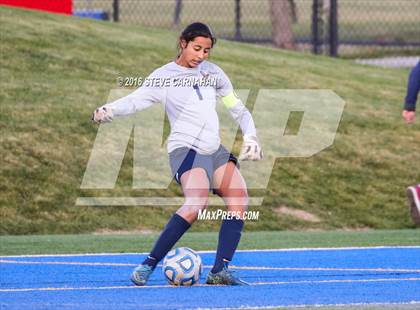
{"x":360,"y":270}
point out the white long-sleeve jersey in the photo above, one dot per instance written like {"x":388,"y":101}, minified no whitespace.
{"x":189,"y":96}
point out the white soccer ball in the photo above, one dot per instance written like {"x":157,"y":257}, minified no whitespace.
{"x":182,"y":266}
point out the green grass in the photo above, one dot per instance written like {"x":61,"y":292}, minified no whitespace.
{"x":57,"y":69}
{"x":126,"y":243}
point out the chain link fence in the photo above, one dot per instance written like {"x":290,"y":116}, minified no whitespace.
{"x":345,"y":28}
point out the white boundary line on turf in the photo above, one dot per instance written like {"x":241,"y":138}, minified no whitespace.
{"x":3,"y":261}
{"x":16,"y":290}
{"x":321,"y":269}
{"x":414,"y":302}
{"x":20,"y":262}
{"x":213,"y":251}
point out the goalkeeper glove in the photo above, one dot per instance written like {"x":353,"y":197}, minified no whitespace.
{"x":251,"y":150}
{"x":102,"y":115}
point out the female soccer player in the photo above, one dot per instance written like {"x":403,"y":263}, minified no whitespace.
{"x":198,"y":161}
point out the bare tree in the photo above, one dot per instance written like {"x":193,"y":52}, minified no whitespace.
{"x":281,"y":21}
{"x":177,"y":14}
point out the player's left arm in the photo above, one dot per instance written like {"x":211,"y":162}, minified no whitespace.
{"x":251,"y":149}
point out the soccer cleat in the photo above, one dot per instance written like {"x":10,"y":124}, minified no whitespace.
{"x":141,"y":274}
{"x":224,"y":277}
{"x":413,"y":194}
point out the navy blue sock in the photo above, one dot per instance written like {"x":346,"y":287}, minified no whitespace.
{"x":229,"y":236}
{"x":172,"y":232}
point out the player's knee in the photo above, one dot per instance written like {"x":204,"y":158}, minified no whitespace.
{"x":236,"y":199}
{"x":239,"y":193}
{"x":194,"y":202}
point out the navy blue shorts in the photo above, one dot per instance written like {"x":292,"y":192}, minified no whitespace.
{"x":184,"y":159}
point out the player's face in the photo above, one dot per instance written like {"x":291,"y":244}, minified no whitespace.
{"x":194,"y":52}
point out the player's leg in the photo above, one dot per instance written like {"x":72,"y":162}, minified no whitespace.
{"x":413,"y":194}
{"x":195,"y":185}
{"x":230,"y":185}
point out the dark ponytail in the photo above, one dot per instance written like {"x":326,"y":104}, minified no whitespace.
{"x":197,"y":30}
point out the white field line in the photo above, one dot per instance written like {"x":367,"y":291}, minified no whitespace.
{"x":3,"y":261}
{"x":336,"y":281}
{"x":210,"y":266}
{"x":323,"y":269}
{"x":345,"y":306}
{"x":212,"y":251}
{"x":171,"y":286}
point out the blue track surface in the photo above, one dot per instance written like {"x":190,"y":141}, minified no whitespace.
{"x":278,"y":278}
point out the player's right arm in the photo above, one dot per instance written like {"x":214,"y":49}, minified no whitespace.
{"x":142,"y":98}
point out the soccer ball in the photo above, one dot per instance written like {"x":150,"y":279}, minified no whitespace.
{"x":182,"y":266}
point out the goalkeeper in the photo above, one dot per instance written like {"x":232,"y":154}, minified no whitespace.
{"x":198,"y":161}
